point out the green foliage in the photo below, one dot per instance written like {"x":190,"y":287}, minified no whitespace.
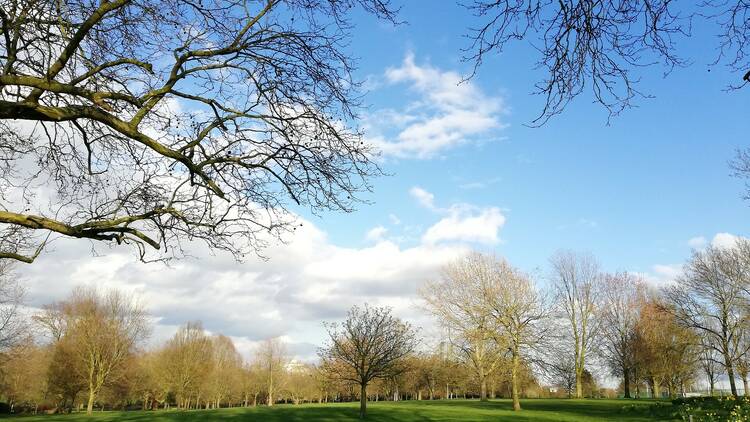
{"x":423,"y":411}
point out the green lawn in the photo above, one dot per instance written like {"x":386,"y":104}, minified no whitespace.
{"x":423,"y":411}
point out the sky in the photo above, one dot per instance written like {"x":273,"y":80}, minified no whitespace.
{"x":638,"y":191}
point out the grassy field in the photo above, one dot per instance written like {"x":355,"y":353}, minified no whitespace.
{"x":423,"y":411}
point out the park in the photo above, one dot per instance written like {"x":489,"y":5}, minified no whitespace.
{"x":407,"y":210}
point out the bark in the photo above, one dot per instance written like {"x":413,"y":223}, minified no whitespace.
{"x":626,"y":383}
{"x":363,"y":401}
{"x":483,"y":390}
{"x":657,"y":389}
{"x":514,"y":382}
{"x":90,"y":406}
{"x":730,"y":371}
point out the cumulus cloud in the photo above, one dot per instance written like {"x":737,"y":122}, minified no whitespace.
{"x":446,"y":112}
{"x":467,"y":224}
{"x":304,"y":282}
{"x":460,"y":222}
{"x":724,"y":240}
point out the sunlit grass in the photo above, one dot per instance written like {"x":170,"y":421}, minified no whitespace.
{"x":423,"y":411}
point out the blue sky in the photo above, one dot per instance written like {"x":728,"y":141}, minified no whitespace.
{"x":632,"y":192}
{"x":465,"y":173}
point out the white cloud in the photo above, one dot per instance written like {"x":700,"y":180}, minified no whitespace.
{"x":662,"y":274}
{"x":461,"y":222}
{"x":393,"y":218}
{"x":304,"y":282}
{"x":724,"y":240}
{"x":425,"y":198}
{"x":697,"y":242}
{"x":446,"y":113}
{"x":376,"y":234}
{"x":467,"y":224}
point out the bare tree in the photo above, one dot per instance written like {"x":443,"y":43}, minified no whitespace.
{"x":102,"y":331}
{"x":227,"y":367}
{"x":12,"y":323}
{"x":370,"y":344}
{"x":458,"y":300}
{"x":620,"y":312}
{"x":519,"y":312}
{"x":710,"y":363}
{"x":185,"y":362}
{"x":149,"y":123}
{"x":711,"y":298}
{"x":272,"y":358}
{"x":576,"y":281}
{"x":597,"y":47}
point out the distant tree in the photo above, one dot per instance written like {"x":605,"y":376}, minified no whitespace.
{"x":669,"y":351}
{"x":577,"y":285}
{"x":619,"y":313}
{"x":224,"y":378}
{"x":561,"y":370}
{"x":710,"y":363}
{"x":187,"y":361}
{"x":519,"y":313}
{"x":457,"y":300}
{"x":371,"y":343}
{"x":157,"y":122}
{"x":13,"y":325}
{"x":711,"y":298}
{"x":23,"y":377}
{"x":597,"y":45}
{"x":272,"y":358}
{"x":104,"y":330}
{"x":66,"y":374}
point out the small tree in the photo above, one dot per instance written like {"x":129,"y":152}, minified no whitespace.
{"x":371,"y":343}
{"x":272,"y":359}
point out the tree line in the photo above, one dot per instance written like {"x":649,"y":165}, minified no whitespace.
{"x":503,"y":333}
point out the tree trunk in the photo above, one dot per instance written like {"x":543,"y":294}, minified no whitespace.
{"x":626,"y":383}
{"x":363,"y":401}
{"x":730,"y":372}
{"x":90,"y":406}
{"x":483,"y":387}
{"x":744,"y":383}
{"x":514,"y":382}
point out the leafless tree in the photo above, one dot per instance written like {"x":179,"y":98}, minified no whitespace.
{"x":458,"y":300}
{"x":12,"y":323}
{"x":598,"y":47}
{"x":711,"y":298}
{"x":102,"y":331}
{"x":710,"y":363}
{"x":150,"y":123}
{"x":519,"y":312}
{"x":620,"y":311}
{"x":272,"y":358}
{"x":370,"y":344}
{"x":576,"y":281}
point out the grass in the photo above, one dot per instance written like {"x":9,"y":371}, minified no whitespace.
{"x":408,"y":411}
